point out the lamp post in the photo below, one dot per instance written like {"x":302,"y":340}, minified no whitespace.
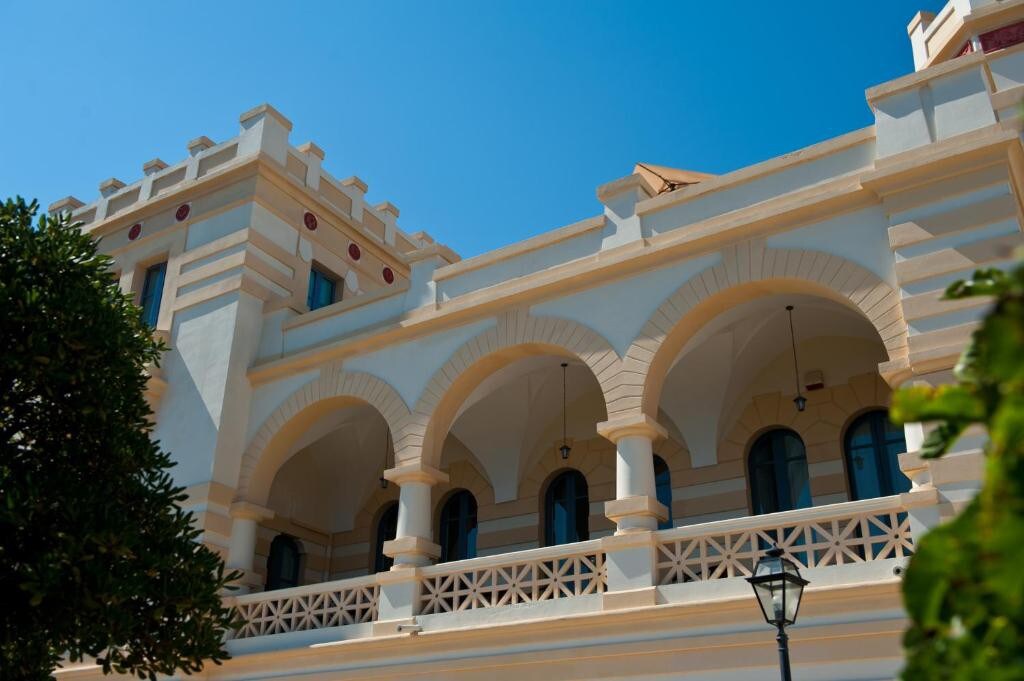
{"x":778,"y":586}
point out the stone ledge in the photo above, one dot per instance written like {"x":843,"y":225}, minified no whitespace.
{"x":635,"y":506}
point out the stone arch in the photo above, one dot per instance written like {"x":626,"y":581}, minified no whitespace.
{"x":747,"y":271}
{"x":334,"y":389}
{"x":516,"y":335}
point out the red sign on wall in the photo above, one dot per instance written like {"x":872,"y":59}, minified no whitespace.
{"x":1002,"y":37}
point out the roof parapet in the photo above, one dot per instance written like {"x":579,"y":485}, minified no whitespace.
{"x":110,"y":186}
{"x":152,"y":167}
{"x":312,"y":148}
{"x":257,"y":113}
{"x":65,"y":205}
{"x":200,"y":144}
{"x":355,"y":183}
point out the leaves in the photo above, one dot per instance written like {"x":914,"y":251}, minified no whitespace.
{"x":96,"y":557}
{"x":963,"y":589}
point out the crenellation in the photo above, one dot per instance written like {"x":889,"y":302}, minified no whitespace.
{"x":199,"y":145}
{"x":153,"y":166}
{"x":111,"y":186}
{"x":69,"y":204}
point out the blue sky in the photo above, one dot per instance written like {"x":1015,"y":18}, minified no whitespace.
{"x":484,"y":122}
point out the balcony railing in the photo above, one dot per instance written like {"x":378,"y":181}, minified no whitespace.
{"x":524,"y":577}
{"x":838,"y":534}
{"x":820,"y":537}
{"x":317,"y":606}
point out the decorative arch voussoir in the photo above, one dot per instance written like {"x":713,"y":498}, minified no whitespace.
{"x":332,"y":383}
{"x":515,"y":329}
{"x":748,"y":263}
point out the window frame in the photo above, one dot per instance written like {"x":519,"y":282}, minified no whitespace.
{"x":884,"y":466}
{"x":153,"y":292}
{"x":665,"y":498}
{"x":318,"y":272}
{"x":465,"y":526}
{"x":548,"y":530}
{"x":779,"y":471}
{"x":380,"y":561}
{"x":276,"y":581}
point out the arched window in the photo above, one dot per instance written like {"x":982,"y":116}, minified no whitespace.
{"x":872,"y":444}
{"x":779,"y":480}
{"x":458,"y":527}
{"x":387,"y":527}
{"x":566,"y":509}
{"x":663,"y":486}
{"x":283,"y":563}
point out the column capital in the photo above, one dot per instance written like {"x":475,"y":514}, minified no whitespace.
{"x":246,"y":510}
{"x":416,"y":471}
{"x":615,"y":429}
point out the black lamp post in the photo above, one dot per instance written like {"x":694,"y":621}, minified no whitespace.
{"x":778,"y":586}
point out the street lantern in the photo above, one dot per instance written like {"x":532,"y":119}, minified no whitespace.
{"x":778,"y":586}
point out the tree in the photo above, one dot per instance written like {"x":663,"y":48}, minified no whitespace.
{"x":97,"y":558}
{"x":964,"y":588}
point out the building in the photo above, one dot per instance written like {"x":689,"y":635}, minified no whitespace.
{"x":570,"y":451}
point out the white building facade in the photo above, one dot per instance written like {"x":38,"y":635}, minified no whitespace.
{"x":560,"y":459}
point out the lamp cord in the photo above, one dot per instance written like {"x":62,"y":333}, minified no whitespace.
{"x":792,"y":340}
{"x":564,"y":440}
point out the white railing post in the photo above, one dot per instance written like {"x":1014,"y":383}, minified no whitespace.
{"x":635,"y":507}
{"x":631,"y":575}
{"x":398,"y":599}
{"x":923,"y":513}
{"x":242,"y":550}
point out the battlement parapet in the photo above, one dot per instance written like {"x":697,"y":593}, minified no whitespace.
{"x":264,"y":131}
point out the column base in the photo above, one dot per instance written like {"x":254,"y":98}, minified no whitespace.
{"x":635,"y":514}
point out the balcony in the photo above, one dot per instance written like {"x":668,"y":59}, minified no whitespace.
{"x":836,"y":545}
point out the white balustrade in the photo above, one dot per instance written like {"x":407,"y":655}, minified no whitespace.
{"x":819,"y":537}
{"x":524,"y":577}
{"x":317,"y":606}
{"x":837,"y":534}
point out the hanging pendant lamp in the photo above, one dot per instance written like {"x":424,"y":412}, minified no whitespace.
{"x":565,"y":448}
{"x":800,"y":401}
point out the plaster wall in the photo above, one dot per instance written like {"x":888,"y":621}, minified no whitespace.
{"x":760,"y":189}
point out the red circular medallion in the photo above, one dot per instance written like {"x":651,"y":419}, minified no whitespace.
{"x":389,"y":276}
{"x":135,"y":231}
{"x":182,"y":212}
{"x":354,"y":252}
{"x":309,"y":220}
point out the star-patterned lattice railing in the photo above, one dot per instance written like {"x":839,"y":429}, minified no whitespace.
{"x":837,"y":534}
{"x":318,"y":606}
{"x":525,"y":577}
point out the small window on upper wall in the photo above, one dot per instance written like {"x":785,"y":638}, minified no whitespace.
{"x":152,"y":293}
{"x":323,"y":289}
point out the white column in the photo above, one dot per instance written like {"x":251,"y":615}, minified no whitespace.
{"x":413,"y":545}
{"x":242,"y":549}
{"x":636,"y":507}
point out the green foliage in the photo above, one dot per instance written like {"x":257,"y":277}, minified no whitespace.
{"x":96,"y":556}
{"x":964,"y":589}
